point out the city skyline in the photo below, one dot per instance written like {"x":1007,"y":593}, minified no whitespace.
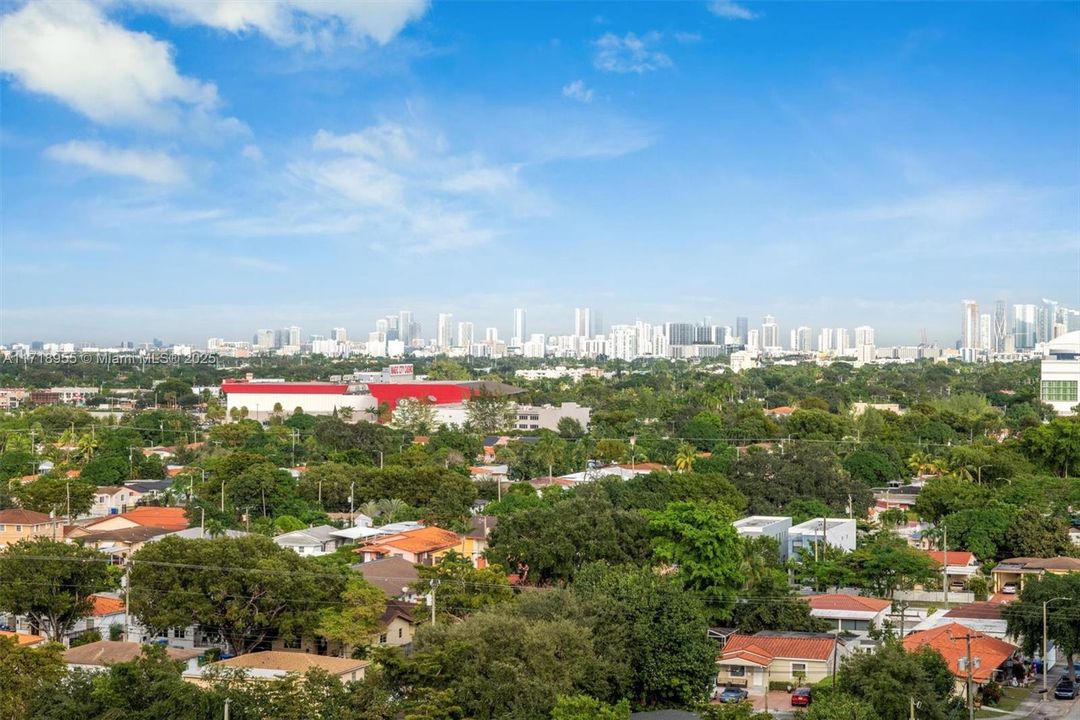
{"x":188,"y":176}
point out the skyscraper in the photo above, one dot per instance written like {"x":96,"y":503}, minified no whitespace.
{"x":1025,"y":326}
{"x":444,"y":332}
{"x":582,"y":322}
{"x":680,"y":333}
{"x":864,"y":335}
{"x":339,"y":334}
{"x":802,"y":339}
{"x":465,"y":335}
{"x":969,"y":325}
{"x":986,"y":325}
{"x":294,"y":336}
{"x":741,"y":326}
{"x":405,"y":323}
{"x":825,"y":340}
{"x":1001,"y":326}
{"x":770,"y":333}
{"x":843,"y":341}
{"x":521,"y":330}
{"x":264,"y":339}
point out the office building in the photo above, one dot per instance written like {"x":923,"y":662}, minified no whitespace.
{"x":770,"y":333}
{"x":1025,"y":326}
{"x":969,"y":324}
{"x":986,"y":331}
{"x":843,"y":341}
{"x":405,"y":326}
{"x":339,"y":335}
{"x":825,"y":340}
{"x":680,"y":333}
{"x":1059,"y":384}
{"x":465,"y":335}
{"x":742,"y":326}
{"x":444,"y":332}
{"x":521,"y":330}
{"x":263,"y":340}
{"x":582,"y":322}
{"x":1001,"y":327}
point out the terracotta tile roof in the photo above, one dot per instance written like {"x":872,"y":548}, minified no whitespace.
{"x":787,"y":645}
{"x":421,"y":540}
{"x":169,"y":518}
{"x":104,"y":605}
{"x":23,"y":638}
{"x":73,"y":473}
{"x":856,"y":603}
{"x":296,"y":662}
{"x":948,"y":641}
{"x":18,"y":516}
{"x":956,"y":557}
{"x":107,"y":652}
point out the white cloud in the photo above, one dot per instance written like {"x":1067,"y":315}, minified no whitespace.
{"x":252,"y":152}
{"x":307,"y":23}
{"x":481,"y":180}
{"x":379,"y":142}
{"x":630,"y":53}
{"x":579,"y":91}
{"x":69,"y":50}
{"x":257,"y":263}
{"x":154,"y":167}
{"x":731,"y":10}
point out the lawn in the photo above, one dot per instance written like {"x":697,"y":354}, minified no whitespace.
{"x":1010,"y":700}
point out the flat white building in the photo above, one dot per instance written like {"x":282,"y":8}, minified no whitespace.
{"x":837,"y":532}
{"x":771,"y":526}
{"x":1060,"y":373}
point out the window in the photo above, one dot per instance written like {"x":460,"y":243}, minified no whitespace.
{"x":855,"y":625}
{"x":18,"y":528}
{"x":737,"y":671}
{"x":179,"y":633}
{"x":291,"y":644}
{"x":1059,"y":390}
{"x":798,"y":669}
{"x":399,"y":632}
{"x":382,"y":639}
{"x":1,"y":528}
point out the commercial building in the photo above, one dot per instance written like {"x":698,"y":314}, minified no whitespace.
{"x":1060,"y":373}
{"x":547,"y":417}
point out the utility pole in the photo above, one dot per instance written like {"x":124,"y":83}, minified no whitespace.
{"x":434,"y":584}
{"x":127,"y":599}
{"x":222,"y":494}
{"x":945,"y":561}
{"x":911,"y":706}
{"x":1045,"y":665}
{"x":227,"y":701}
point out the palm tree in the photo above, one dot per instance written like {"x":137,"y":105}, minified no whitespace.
{"x":549,"y":448}
{"x":391,"y":507}
{"x":86,"y":446}
{"x":684,"y":457}
{"x":371,"y":509}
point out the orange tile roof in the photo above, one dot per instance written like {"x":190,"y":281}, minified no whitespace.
{"x":956,"y":557}
{"x":787,"y":645}
{"x":107,"y":605}
{"x":838,"y":601}
{"x":73,"y":473}
{"x":23,"y":638}
{"x":421,"y":540}
{"x":948,"y":641}
{"x":169,"y":518}
{"x":18,"y":516}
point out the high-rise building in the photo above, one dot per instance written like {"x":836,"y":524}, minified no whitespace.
{"x":770,"y":333}
{"x":465,"y":335}
{"x":1001,"y":327}
{"x":741,"y":326}
{"x":582,"y":322}
{"x":382,"y":326}
{"x":802,"y":340}
{"x":444,"y":331}
{"x":521,"y":329}
{"x":264,"y":340}
{"x":969,"y":325}
{"x":680,"y":333}
{"x":825,"y":340}
{"x":843,"y":341}
{"x":491,"y":335}
{"x":864,"y":335}
{"x":1048,"y":317}
{"x":294,"y":336}
{"x":339,"y":334}
{"x":1025,"y":326}
{"x":986,"y":332}
{"x":405,"y":326}
{"x":753,"y":342}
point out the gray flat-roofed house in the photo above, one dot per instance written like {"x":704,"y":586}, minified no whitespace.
{"x":318,"y":540}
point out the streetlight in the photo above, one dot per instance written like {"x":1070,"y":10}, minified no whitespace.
{"x":1046,"y":669}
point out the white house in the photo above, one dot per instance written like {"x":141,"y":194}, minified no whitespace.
{"x":850,"y":613}
{"x":834,"y":532}
{"x":318,"y":540}
{"x":770,"y":526}
{"x":113,"y":500}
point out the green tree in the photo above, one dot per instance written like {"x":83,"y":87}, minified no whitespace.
{"x":840,"y":706}
{"x":327,"y":485}
{"x":52,"y":583}
{"x":416,"y":417}
{"x":583,"y":707}
{"x":549,"y":449}
{"x":26,"y":674}
{"x":1056,"y":445}
{"x":891,"y":677}
{"x":282,"y":593}
{"x":886,"y":563}
{"x":570,"y":429}
{"x":699,"y":540}
{"x":685,"y":457}
{"x":771,"y":604}
{"x":1034,"y":533}
{"x":488,"y":413}
{"x":50,"y":494}
{"x":462,"y":589}
{"x":356,"y":619}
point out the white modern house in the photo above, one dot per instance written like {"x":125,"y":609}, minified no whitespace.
{"x":835,"y":532}
{"x":770,"y":526}
{"x":318,"y":540}
{"x":1060,"y":373}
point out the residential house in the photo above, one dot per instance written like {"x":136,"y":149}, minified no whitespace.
{"x":958,"y":566}
{"x":98,"y":656}
{"x":850,"y":613}
{"x":474,"y":542}
{"x":395,"y":576}
{"x":24,"y":639}
{"x":108,"y":610}
{"x":312,"y":541}
{"x":990,"y":657}
{"x":397,"y":626}
{"x":423,"y":546}
{"x":122,"y":535}
{"x":113,"y":500}
{"x":150,"y":489}
{"x":166,"y":518}
{"x":983,"y":616}
{"x":275,"y":664}
{"x":1009,"y":575}
{"x":17,"y":524}
{"x":754,"y":661}
{"x":769,"y":526}
{"x":834,"y":532}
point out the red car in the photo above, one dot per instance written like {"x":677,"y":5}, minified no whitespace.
{"x":801,"y":697}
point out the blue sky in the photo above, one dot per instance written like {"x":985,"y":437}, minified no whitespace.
{"x":184,"y":170}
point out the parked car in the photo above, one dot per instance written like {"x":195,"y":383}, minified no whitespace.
{"x":732,"y":695}
{"x":801,"y":697}
{"x":1009,"y":588}
{"x":1065,"y":689}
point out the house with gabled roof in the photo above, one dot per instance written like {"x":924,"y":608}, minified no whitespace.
{"x":312,"y":541}
{"x":17,"y":524}
{"x":754,"y":661}
{"x":850,"y":613}
{"x":991,"y":657}
{"x":422,"y":546}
